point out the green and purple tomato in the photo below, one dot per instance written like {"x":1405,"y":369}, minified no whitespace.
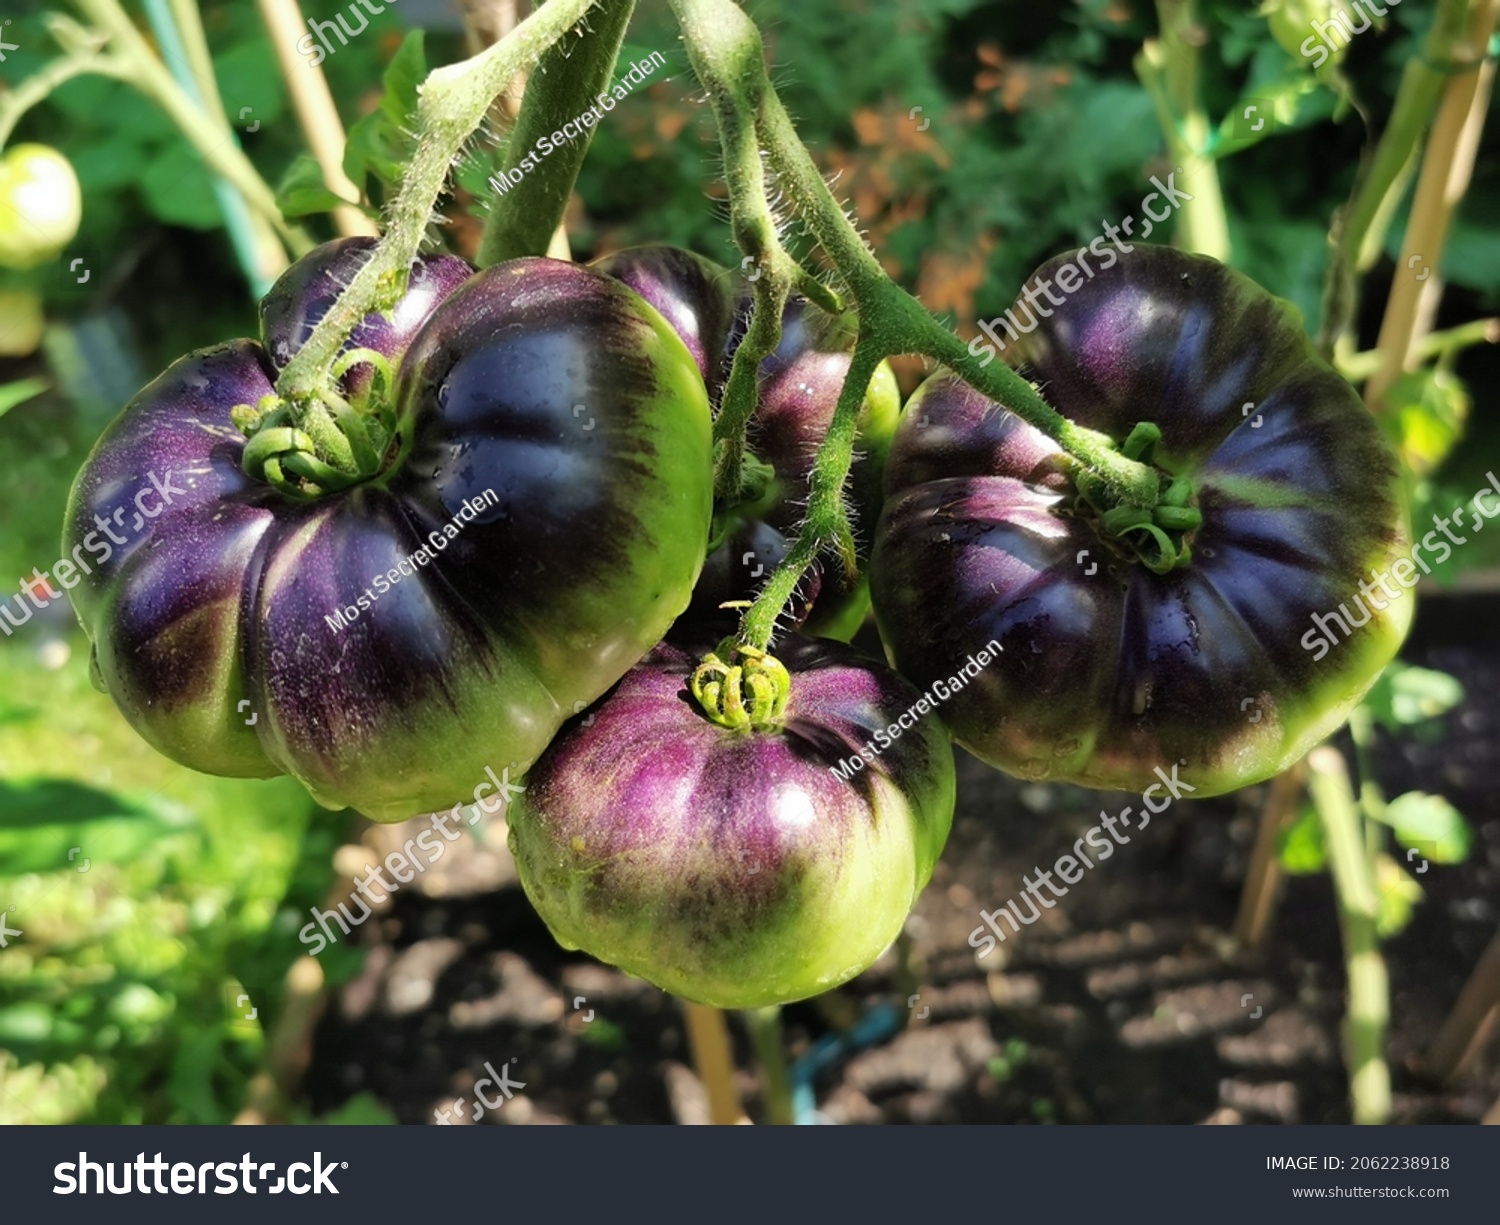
{"x":738,"y":867}
{"x":1134,"y":639}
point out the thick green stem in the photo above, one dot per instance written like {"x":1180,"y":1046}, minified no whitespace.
{"x":764,"y":1025}
{"x":14,"y":103}
{"x":727,"y":59}
{"x":827,"y":520}
{"x":1369,"y":988}
{"x":453,"y":103}
{"x":1168,"y":68}
{"x":1361,"y":225}
{"x":567,"y":82}
{"x":728,"y":56}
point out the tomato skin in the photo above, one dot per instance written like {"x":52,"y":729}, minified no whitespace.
{"x":218,"y":608}
{"x":799,"y":388}
{"x":1108,"y":669}
{"x":737,"y":868}
{"x":40,"y":205}
{"x":303,"y":294}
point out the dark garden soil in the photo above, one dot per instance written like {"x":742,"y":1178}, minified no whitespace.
{"x":1123,"y":1004}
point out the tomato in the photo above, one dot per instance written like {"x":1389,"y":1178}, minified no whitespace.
{"x":1278,"y":483}
{"x":40,"y":205}
{"x":540,"y":523}
{"x":21,"y":323}
{"x":799,"y":387}
{"x":738,"y":867}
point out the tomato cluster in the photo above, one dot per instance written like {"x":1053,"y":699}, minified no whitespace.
{"x":529,"y":574}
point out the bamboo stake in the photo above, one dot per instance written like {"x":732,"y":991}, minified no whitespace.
{"x":708,"y":1036}
{"x":1263,"y":879}
{"x":1471,"y":1021}
{"x":316,"y":112}
{"x":1447,"y":168}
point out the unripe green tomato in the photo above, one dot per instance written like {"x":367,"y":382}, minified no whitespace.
{"x":21,"y":323}
{"x":1296,"y":26}
{"x":40,"y":205}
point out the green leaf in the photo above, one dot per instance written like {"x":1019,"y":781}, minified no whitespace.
{"x":361,"y":1110}
{"x":381,"y":144}
{"x":1397,"y":895}
{"x":1404,"y":696}
{"x":249,"y":84}
{"x":1430,"y":408}
{"x":407,"y":71}
{"x":302,"y":191}
{"x":44,"y":821}
{"x":179,"y":190}
{"x":19,"y":392}
{"x":1300,"y":847}
{"x":1429,"y":827}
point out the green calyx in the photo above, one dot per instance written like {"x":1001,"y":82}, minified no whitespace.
{"x":749,"y":692}
{"x":1158,"y":537}
{"x":313,"y":446}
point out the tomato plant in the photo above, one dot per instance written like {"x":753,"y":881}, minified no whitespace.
{"x":602,"y":524}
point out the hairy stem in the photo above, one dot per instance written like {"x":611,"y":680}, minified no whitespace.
{"x":453,"y":102}
{"x":827,"y":521}
{"x":566,"y":83}
{"x":728,"y":56}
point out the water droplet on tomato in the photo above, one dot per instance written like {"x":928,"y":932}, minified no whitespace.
{"x":1035,"y":769}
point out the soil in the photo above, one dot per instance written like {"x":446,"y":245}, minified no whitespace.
{"x":1124,"y":1003}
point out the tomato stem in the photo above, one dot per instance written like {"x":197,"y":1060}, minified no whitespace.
{"x":452,"y":104}
{"x":757,"y":134}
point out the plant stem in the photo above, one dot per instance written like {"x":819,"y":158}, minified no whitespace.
{"x":564,"y":86}
{"x":728,"y":55}
{"x":735,"y":89}
{"x":1360,"y":228}
{"x":1447,"y":168}
{"x":1263,"y":879}
{"x":713,"y":1057}
{"x":826,"y":521}
{"x":764,"y":1025}
{"x":1357,"y":367}
{"x":1369,"y":987}
{"x":260,"y":254}
{"x":1168,"y":67}
{"x":14,"y":103}
{"x":453,"y":102}
{"x":140,"y":67}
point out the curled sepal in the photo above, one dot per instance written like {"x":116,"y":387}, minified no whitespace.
{"x":751,"y":691}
